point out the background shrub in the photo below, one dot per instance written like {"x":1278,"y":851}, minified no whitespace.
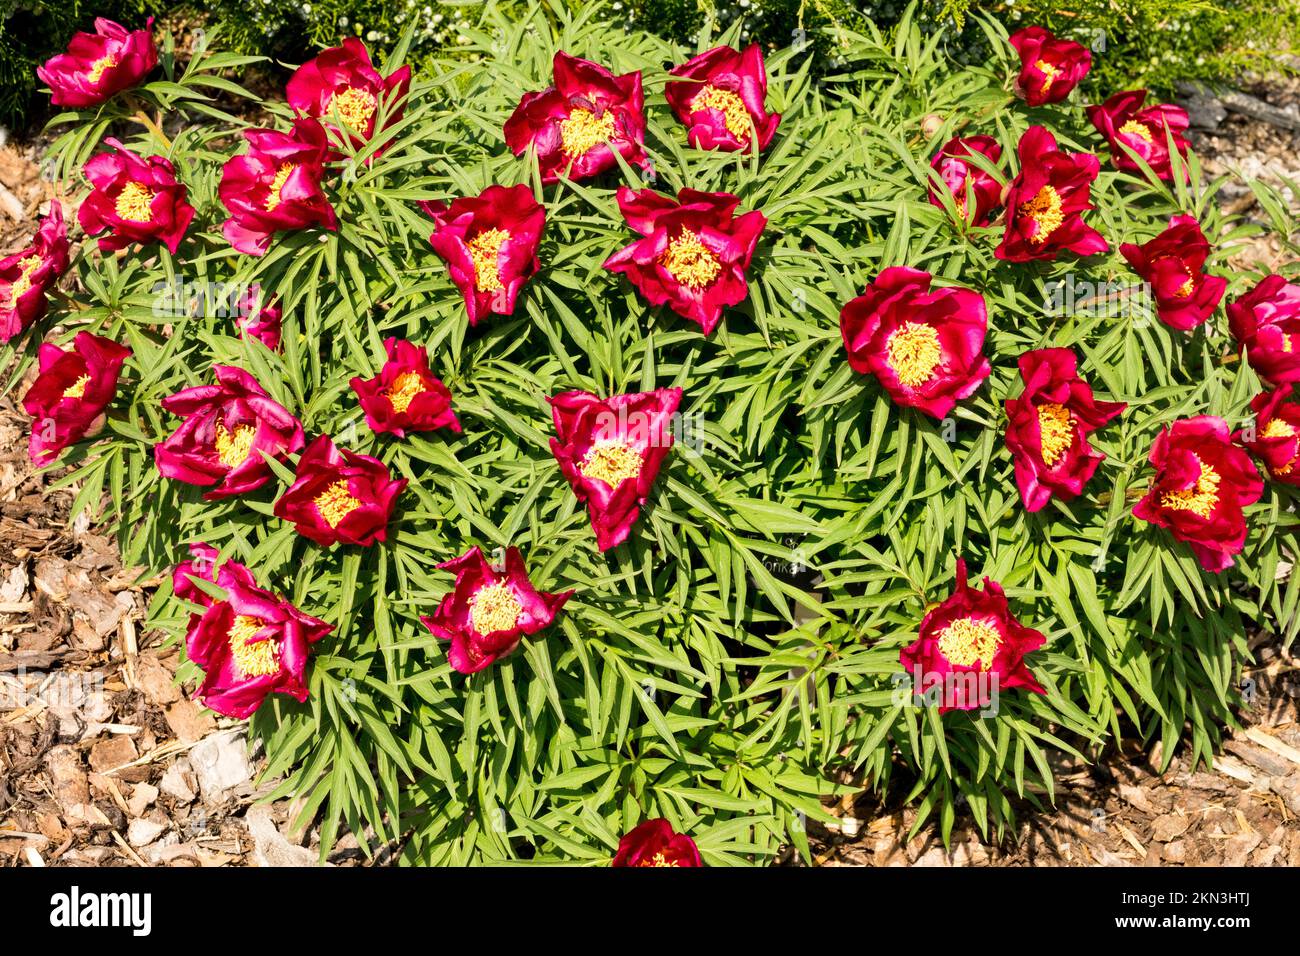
{"x":1136,"y":43}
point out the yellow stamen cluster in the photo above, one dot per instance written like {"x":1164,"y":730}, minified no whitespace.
{"x":1056,"y":432}
{"x":403,"y":391}
{"x":967,"y":640}
{"x":78,"y":388}
{"x":354,"y":107}
{"x":233,"y":448}
{"x":494,"y":607}
{"x":1134,"y":128}
{"x":913,"y":352}
{"x":273,"y":191}
{"x":485,"y":250}
{"x":1050,"y":73}
{"x":23,"y":284}
{"x":582,"y":130}
{"x":1277,"y":428}
{"x":1201,"y":498}
{"x":100,"y":67}
{"x":335,"y":503}
{"x":1184,"y":290}
{"x":252,"y":658}
{"x":659,"y":860}
{"x":690,"y":261}
{"x":612,"y":462}
{"x":134,"y":202}
{"x":1045,"y":210}
{"x":734,"y":114}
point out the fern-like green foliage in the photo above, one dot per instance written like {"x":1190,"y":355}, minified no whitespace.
{"x":735,"y":664}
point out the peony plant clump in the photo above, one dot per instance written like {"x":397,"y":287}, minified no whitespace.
{"x":577,"y":453}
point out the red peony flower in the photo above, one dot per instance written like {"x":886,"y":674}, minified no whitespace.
{"x":135,"y":200}
{"x":71,"y":391}
{"x":340,"y":496}
{"x":1201,"y":485}
{"x":969,"y":645}
{"x":99,"y":64}
{"x":655,"y":843}
{"x":405,"y":395}
{"x":342,"y":88}
{"x":489,"y":243}
{"x":1173,"y":263}
{"x":227,"y":427}
{"x":27,"y":276}
{"x":250,"y":645}
{"x":694,"y":254}
{"x":1125,"y":122}
{"x":253,"y":320}
{"x":1266,"y":324}
{"x":722,"y":99}
{"x":1275,"y":439}
{"x":611,"y":452}
{"x":1049,"y":426}
{"x":1049,"y":66}
{"x":276,"y":186}
{"x":967,"y":181}
{"x":1047,"y":200}
{"x":577,"y":124}
{"x":488,"y":611}
{"x":923,"y":346}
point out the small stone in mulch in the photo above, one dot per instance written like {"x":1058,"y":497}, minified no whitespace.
{"x":221,"y":762}
{"x":142,"y":832}
{"x":179,"y":782}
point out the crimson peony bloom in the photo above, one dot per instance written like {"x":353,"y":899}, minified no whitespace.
{"x":721,"y":99}
{"x":1047,"y":200}
{"x":99,"y":64}
{"x":276,"y":186}
{"x":135,"y":200}
{"x":1266,"y":324}
{"x":1275,"y":439}
{"x":489,"y":243}
{"x":923,"y":346}
{"x":405,"y":395}
{"x":1172,"y":263}
{"x":251,"y":644}
{"x":488,"y":611}
{"x":611,"y":452}
{"x":970,"y":645}
{"x":1050,"y":67}
{"x":694,"y":254}
{"x":341,"y":88}
{"x":578,"y":123}
{"x":1125,"y":122}
{"x":71,"y":391}
{"x":655,"y":843}
{"x":1049,"y":425}
{"x":257,"y":321}
{"x":967,"y":181}
{"x":227,"y":427}
{"x":27,"y":276}
{"x":1201,"y":485}
{"x":340,"y":496}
